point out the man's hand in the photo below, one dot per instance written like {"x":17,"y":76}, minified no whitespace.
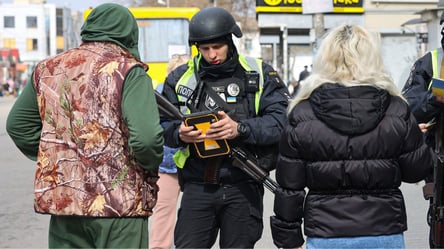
{"x":440,"y":99}
{"x":423,"y":127}
{"x":188,"y":134}
{"x":225,"y":128}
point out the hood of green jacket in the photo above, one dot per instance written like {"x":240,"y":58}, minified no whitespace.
{"x":112,"y":23}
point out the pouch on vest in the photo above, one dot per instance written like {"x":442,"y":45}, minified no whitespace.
{"x":252,"y":81}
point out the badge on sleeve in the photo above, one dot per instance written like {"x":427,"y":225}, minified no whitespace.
{"x":274,"y":76}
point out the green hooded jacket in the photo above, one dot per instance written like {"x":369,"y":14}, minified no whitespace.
{"x":107,"y":23}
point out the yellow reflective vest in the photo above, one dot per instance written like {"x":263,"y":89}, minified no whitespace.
{"x":189,"y":80}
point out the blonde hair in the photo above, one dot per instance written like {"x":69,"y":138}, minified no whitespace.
{"x":177,"y":60}
{"x":349,"y":55}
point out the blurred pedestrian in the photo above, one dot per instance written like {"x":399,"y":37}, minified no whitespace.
{"x":163,"y":220}
{"x":293,"y":88}
{"x":89,"y":118}
{"x":303,"y":74}
{"x":350,"y":141}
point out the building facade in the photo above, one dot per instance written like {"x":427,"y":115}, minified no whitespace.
{"x":287,"y":38}
{"x":289,"y":34}
{"x":37,"y":31}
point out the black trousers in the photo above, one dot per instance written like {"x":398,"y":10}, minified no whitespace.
{"x":233,"y":210}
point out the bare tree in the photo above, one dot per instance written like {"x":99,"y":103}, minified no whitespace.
{"x":243,"y":11}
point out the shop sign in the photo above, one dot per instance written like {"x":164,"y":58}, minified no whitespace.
{"x":295,"y":6}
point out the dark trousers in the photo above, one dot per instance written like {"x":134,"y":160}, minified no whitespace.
{"x":233,"y":210}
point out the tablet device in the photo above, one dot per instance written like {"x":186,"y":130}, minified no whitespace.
{"x":209,"y":147}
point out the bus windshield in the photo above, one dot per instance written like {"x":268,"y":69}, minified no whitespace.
{"x":159,"y":39}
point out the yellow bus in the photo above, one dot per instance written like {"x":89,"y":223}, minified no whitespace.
{"x":163,"y":32}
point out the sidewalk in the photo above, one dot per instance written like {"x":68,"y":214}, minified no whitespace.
{"x":20,"y":226}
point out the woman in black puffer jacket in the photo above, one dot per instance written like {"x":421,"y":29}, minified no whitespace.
{"x":350,"y":141}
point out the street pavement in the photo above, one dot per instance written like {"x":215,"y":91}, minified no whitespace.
{"x":20,"y":227}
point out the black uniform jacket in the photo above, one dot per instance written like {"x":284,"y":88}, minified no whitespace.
{"x":420,"y":98}
{"x":265,"y":128}
{"x":351,"y":147}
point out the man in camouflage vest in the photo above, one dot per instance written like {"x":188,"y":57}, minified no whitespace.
{"x":89,"y":118}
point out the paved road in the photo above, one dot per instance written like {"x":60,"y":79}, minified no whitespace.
{"x":20,"y":227}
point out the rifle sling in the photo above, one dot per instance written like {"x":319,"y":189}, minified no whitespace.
{"x":219,"y":101}
{"x":212,"y":170}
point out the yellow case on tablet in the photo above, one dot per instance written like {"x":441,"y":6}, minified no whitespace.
{"x":207,"y":148}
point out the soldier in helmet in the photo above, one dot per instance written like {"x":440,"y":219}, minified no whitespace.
{"x":250,"y":100}
{"x":428,"y":108}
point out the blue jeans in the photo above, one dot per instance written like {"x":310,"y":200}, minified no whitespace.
{"x":373,"y":242}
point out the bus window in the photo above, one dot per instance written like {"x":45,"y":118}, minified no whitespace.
{"x":159,"y":39}
{"x":163,"y":32}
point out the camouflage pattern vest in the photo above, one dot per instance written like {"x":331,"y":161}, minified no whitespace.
{"x":84,"y":164}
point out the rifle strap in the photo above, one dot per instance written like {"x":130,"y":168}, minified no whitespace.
{"x":218,"y":99}
{"x":427,"y":190}
{"x":212,"y":170}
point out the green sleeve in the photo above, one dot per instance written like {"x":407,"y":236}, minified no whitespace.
{"x":139,"y":108}
{"x":24,"y":124}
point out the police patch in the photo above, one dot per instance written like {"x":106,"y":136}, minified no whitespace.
{"x":210,"y":104}
{"x":233,"y":89}
{"x":184,"y":91}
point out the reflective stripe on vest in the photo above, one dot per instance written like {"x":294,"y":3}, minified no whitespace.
{"x":437,"y":55}
{"x":189,"y":80}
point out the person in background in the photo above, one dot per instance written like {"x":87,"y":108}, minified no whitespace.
{"x":351,"y":141}
{"x":293,"y":88}
{"x":8,"y":87}
{"x":303,"y":74}
{"x":250,"y":101}
{"x":163,"y":220}
{"x":84,"y":118}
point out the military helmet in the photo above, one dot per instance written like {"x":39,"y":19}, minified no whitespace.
{"x":212,"y":23}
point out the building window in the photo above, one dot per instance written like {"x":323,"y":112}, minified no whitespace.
{"x":9,"y":43}
{"x":9,"y":21}
{"x":31,"y":22}
{"x":59,"y":22}
{"x":31,"y":44}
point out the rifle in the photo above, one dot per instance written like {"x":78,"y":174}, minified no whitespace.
{"x":437,"y":206}
{"x":241,"y":158}
{"x":247,"y":164}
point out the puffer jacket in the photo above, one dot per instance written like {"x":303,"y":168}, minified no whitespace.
{"x":351,"y":147}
